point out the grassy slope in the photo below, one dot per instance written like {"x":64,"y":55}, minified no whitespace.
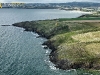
{"x":79,"y":33}
{"x":76,"y":42}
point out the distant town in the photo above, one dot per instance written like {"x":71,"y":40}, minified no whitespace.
{"x":82,"y":6}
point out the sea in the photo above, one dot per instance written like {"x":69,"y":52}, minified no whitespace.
{"x":21,"y":53}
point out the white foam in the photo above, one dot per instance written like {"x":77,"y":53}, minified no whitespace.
{"x":47,"y":51}
{"x":52,"y":67}
{"x":34,"y":33}
{"x":43,"y":46}
{"x":50,"y":64}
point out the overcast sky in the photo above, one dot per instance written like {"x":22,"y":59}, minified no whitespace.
{"x":48,"y":1}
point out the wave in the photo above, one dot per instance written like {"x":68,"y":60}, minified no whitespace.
{"x":48,"y":62}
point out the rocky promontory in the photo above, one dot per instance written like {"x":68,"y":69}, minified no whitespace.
{"x":74,"y":45}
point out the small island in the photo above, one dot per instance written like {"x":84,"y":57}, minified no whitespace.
{"x":75,"y":42}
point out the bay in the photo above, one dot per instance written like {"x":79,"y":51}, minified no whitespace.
{"x":21,"y":53}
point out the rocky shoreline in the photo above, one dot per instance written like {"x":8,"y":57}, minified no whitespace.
{"x":48,"y":43}
{"x":61,"y":64}
{"x":45,"y":30}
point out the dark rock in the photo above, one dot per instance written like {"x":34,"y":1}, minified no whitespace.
{"x":45,"y":47}
{"x":76,"y":65}
{"x":28,"y":29}
{"x":5,"y":25}
{"x":63,"y":64}
{"x":50,"y":45}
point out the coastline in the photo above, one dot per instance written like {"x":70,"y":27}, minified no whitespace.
{"x":59,"y":63}
{"x":48,"y":43}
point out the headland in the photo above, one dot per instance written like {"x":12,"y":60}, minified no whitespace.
{"x":75,"y":42}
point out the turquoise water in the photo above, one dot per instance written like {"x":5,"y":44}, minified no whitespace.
{"x":21,"y":53}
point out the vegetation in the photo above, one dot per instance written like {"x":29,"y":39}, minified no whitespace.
{"x":77,"y":44}
{"x":85,"y":18}
{"x":82,"y":17}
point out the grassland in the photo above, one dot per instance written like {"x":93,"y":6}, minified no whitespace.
{"x":82,"y":17}
{"x":74,"y":44}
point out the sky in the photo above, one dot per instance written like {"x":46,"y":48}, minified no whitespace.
{"x":48,"y":1}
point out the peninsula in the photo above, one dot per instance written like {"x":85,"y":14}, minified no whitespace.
{"x":75,"y":43}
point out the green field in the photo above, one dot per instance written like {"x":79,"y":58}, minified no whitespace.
{"x":70,"y":19}
{"x":83,"y":17}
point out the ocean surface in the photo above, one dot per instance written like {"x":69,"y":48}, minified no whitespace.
{"x":21,"y":53}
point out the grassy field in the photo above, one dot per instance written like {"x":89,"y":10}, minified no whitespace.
{"x":87,"y":37}
{"x":83,"y":17}
{"x":81,"y":45}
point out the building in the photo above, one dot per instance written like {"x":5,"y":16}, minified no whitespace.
{"x":0,"y":5}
